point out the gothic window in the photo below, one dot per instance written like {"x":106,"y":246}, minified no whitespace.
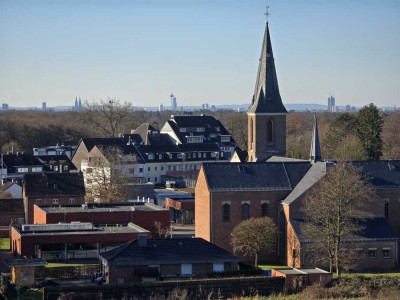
{"x":245,"y":211}
{"x":226,"y":212}
{"x":270,"y":127}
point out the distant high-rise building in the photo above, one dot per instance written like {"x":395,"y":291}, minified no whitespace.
{"x":161,"y":107}
{"x":44,"y":106}
{"x":4,"y":106}
{"x":174,"y":104}
{"x":348,"y":107}
{"x":331,"y":103}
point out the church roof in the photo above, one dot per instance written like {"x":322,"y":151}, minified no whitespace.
{"x":254,"y":176}
{"x":266,"y":98}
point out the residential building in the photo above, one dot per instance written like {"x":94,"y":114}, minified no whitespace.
{"x":69,"y":240}
{"x":52,"y":189}
{"x":10,"y":190}
{"x":54,"y":150}
{"x":165,"y":258}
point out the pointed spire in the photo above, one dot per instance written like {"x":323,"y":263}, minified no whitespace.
{"x":76,"y":102}
{"x":266,"y":98}
{"x":315,"y":151}
{"x":80,"y":102}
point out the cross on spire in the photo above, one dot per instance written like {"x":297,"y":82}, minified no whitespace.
{"x":266,"y":12}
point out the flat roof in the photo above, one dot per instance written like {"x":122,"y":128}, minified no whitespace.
{"x":100,"y":208}
{"x":130,"y":228}
{"x":21,"y":262}
{"x":302,"y":271}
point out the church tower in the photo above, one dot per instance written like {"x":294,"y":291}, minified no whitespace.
{"x":266,"y":115}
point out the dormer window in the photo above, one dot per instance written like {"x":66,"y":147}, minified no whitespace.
{"x":182,"y":129}
{"x":200,"y":129}
{"x":151,"y":156}
{"x":194,"y":139}
{"x":225,"y":138}
{"x":55,"y":186}
{"x":159,"y":156}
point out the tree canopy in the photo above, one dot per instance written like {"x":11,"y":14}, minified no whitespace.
{"x":254,"y":235}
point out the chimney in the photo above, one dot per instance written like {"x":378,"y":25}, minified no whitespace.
{"x":142,"y":240}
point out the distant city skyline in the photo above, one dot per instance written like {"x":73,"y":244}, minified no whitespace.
{"x":201,"y":51}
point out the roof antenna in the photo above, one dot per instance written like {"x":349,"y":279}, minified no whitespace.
{"x":267,"y":13}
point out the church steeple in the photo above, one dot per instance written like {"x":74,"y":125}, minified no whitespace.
{"x":315,"y":151}
{"x":266,"y":98}
{"x":266,"y":114}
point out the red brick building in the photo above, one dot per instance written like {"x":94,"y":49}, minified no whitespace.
{"x":52,"y":189}
{"x":70,"y":240}
{"x":140,"y":213}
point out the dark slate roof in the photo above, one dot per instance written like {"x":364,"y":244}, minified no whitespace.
{"x":374,"y":228}
{"x":168,"y":251}
{"x":6,"y":186}
{"x":381,"y":174}
{"x":62,"y":158}
{"x":54,"y":184}
{"x":267,"y":175}
{"x":15,"y":160}
{"x":209,"y":123}
{"x":266,"y":98}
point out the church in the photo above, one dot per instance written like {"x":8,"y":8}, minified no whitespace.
{"x":270,"y":184}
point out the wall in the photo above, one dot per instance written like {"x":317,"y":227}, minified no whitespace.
{"x":202,"y":208}
{"x":144,"y":219}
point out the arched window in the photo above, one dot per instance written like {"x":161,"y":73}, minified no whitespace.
{"x":245,"y":211}
{"x":270,"y":131}
{"x":226,"y":212}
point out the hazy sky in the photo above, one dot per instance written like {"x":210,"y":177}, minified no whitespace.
{"x":201,"y":50}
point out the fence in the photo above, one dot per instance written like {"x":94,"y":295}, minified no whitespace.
{"x":68,"y":272}
{"x":189,"y":289}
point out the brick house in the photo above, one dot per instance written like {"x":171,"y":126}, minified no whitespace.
{"x":52,"y":189}
{"x":140,"y":213}
{"x":70,"y":240}
{"x":164,"y":257}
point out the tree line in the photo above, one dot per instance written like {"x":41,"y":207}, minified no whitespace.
{"x":368,"y":134}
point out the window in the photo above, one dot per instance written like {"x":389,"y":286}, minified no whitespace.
{"x":65,"y":167}
{"x":155,"y":179}
{"x":159,"y":156}
{"x":270,"y":126}
{"x":162,"y":168}
{"x":39,"y":201}
{"x":359,"y":253}
{"x":55,"y":201}
{"x":386,"y":208}
{"x":169,"y":168}
{"x":148,"y":179}
{"x":182,"y":129}
{"x":265,"y":209}
{"x":55,"y":186}
{"x":148,"y":168}
{"x":225,"y":138}
{"x":372,"y":252}
{"x":226,"y":212}
{"x":245,"y":211}
{"x":23,"y":170}
{"x":140,"y":170}
{"x":131,"y":170}
{"x":89,"y":181}
{"x":194,"y":139}
{"x":71,"y":200}
{"x":200,"y":129}
{"x":251,"y":134}
{"x":55,"y":168}
{"x":186,"y":269}
{"x":37,"y":169}
{"x":155,"y":168}
{"x":386,"y":253}
{"x":151,"y":156}
{"x":88,"y":170}
{"x":218,"y":267}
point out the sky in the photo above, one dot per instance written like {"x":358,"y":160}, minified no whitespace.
{"x":204,"y":51}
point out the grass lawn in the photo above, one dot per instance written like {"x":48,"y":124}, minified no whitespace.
{"x":5,"y":243}
{"x":59,"y":265}
{"x":351,"y":275}
{"x":269,"y":267}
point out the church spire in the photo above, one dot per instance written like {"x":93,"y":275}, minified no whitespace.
{"x":315,"y":151}
{"x":266,"y":98}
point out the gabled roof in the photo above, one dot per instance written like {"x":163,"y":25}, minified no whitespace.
{"x":382,"y":173}
{"x":264,"y":176}
{"x":168,"y":251}
{"x":314,"y":174}
{"x":54,"y":184}
{"x":374,"y":228}
{"x":16,"y":160}
{"x":62,"y":158}
{"x":6,"y":186}
{"x":266,"y":98}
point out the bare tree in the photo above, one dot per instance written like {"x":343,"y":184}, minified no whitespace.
{"x":333,"y":211}
{"x":107,"y":117}
{"x":109,"y":175}
{"x":252,"y":236}
{"x":161,"y":231}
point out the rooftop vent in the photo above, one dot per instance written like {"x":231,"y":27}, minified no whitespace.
{"x":392,"y":167}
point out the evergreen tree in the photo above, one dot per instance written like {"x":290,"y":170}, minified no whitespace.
{"x":369,"y":128}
